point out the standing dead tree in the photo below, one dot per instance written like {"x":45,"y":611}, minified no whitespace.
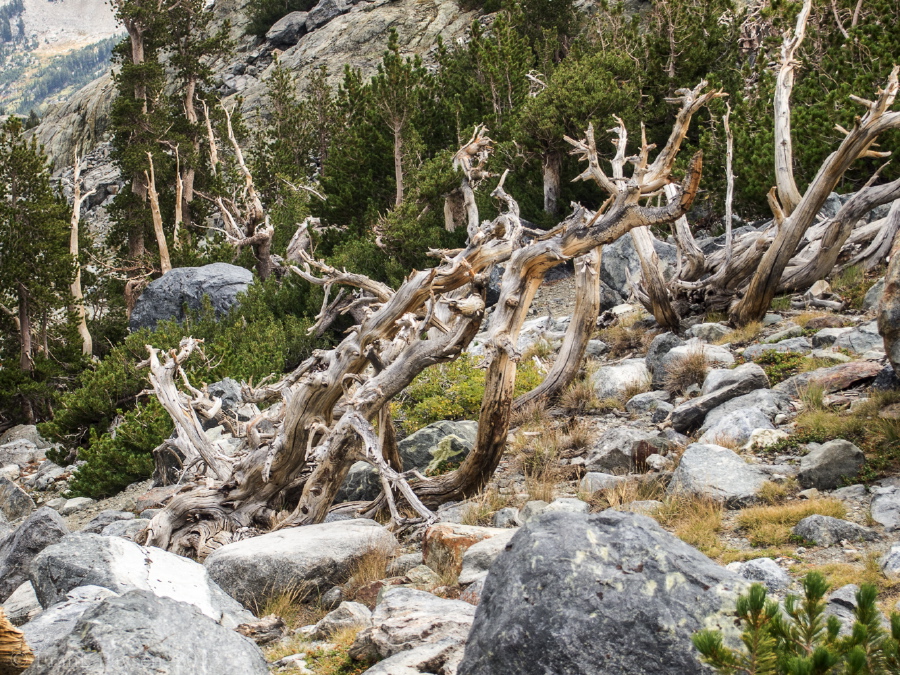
{"x":651,"y":180}
{"x":794,"y":251}
{"x":319,"y":420}
{"x":889,"y":306}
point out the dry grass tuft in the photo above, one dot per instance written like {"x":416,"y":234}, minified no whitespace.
{"x":633,"y":389}
{"x":777,"y":493}
{"x":805,"y":317}
{"x":370,"y":567}
{"x":329,"y":658}
{"x":771,"y":525}
{"x":532,"y":414}
{"x":695,"y":520}
{"x":625,"y":338}
{"x":579,"y":434}
{"x":726,"y":441}
{"x":627,"y":491}
{"x":482,"y":508}
{"x":742,"y":335}
{"x":298,"y":606}
{"x":446,"y":567}
{"x":540,"y":348}
{"x":685,"y":371}
{"x":813,"y":397}
{"x":579,"y":397}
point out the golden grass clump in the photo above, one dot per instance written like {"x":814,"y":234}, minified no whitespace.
{"x":772,"y":525}
{"x":482,"y":508}
{"x":682,"y":372}
{"x":777,"y":493}
{"x":694,"y":519}
{"x":742,"y":335}
{"x":625,"y":492}
{"x":579,"y":397}
{"x":371,"y":566}
{"x":329,"y":658}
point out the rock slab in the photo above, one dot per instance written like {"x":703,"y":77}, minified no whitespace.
{"x":613,"y":593}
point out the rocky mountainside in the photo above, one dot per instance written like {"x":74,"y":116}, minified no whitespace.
{"x":333,"y":34}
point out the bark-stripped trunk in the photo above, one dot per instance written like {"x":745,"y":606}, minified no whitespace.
{"x":552,"y":166}
{"x":26,"y":348}
{"x":398,"y":163}
{"x":165,"y":263}
{"x":87,"y":345}
{"x":578,"y":333}
{"x":332,"y":400}
{"x":889,"y":309}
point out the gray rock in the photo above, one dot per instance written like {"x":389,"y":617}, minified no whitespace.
{"x":21,"y":453}
{"x":331,"y":599}
{"x":690,"y":414}
{"x":767,"y":401}
{"x":720,"y":378}
{"x":792,"y":330}
{"x":861,"y":340}
{"x":642,"y":507}
{"x":659,"y":463}
{"x":647,"y":402}
{"x":127,"y":529}
{"x":827,"y":531}
{"x":400,"y":565}
{"x":46,"y":476}
{"x":478,"y":558}
{"x":14,"y":501}
{"x":826,"y":467}
{"x":315,"y":556}
{"x":569,"y":504}
{"x":166,"y":297}
{"x":662,"y":412}
{"x":406,"y":619}
{"x":506,"y":517}
{"x":445,"y":654}
{"x":532,"y":509}
{"x":885,"y":508}
{"x":596,"y":348}
{"x":890,"y":562}
{"x":288,"y":30}
{"x":10,"y":471}
{"x":718,"y":473}
{"x":621,"y":256}
{"x":765,"y":571}
{"x":440,"y":441}
{"x":119,"y":565}
{"x":58,"y":620}
{"x":614,"y":381}
{"x":771,"y":319}
{"x":24,"y":432}
{"x":594,"y":481}
{"x":798,"y":345}
{"x":857,"y":491}
{"x":656,"y":352}
{"x":42,"y":528}
{"x":105,"y":518}
{"x":649,"y":592}
{"x":873,"y":295}
{"x":827,"y":337}
{"x":167,"y":635}
{"x":22,"y":606}
{"x":736,"y":427}
{"x":842,"y":604}
{"x":708,"y":332}
{"x":324,"y":12}
{"x":75,"y":505}
{"x":624,"y":449}
{"x":713,"y":356}
{"x":347,"y":615}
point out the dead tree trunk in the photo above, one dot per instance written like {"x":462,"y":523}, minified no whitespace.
{"x":87,"y":346}
{"x":889,"y":308}
{"x":552,"y":166}
{"x":165,"y":263}
{"x":578,"y":333}
{"x":331,"y":401}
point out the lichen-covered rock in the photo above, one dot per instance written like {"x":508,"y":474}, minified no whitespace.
{"x":444,"y":544}
{"x":14,"y":501}
{"x":621,"y":449}
{"x":313,"y":556}
{"x":831,"y":379}
{"x":861,"y":340}
{"x":139,"y":633}
{"x":166,"y":297}
{"x":765,"y":571}
{"x":826,"y":467}
{"x":717,"y":473}
{"x":613,"y":593}
{"x":828,"y":531}
{"x":797,"y":345}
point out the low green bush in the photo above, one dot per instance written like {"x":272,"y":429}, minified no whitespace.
{"x":452,"y":391}
{"x":800,"y":640}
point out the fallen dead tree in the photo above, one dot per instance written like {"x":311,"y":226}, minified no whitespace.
{"x":322,"y":417}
